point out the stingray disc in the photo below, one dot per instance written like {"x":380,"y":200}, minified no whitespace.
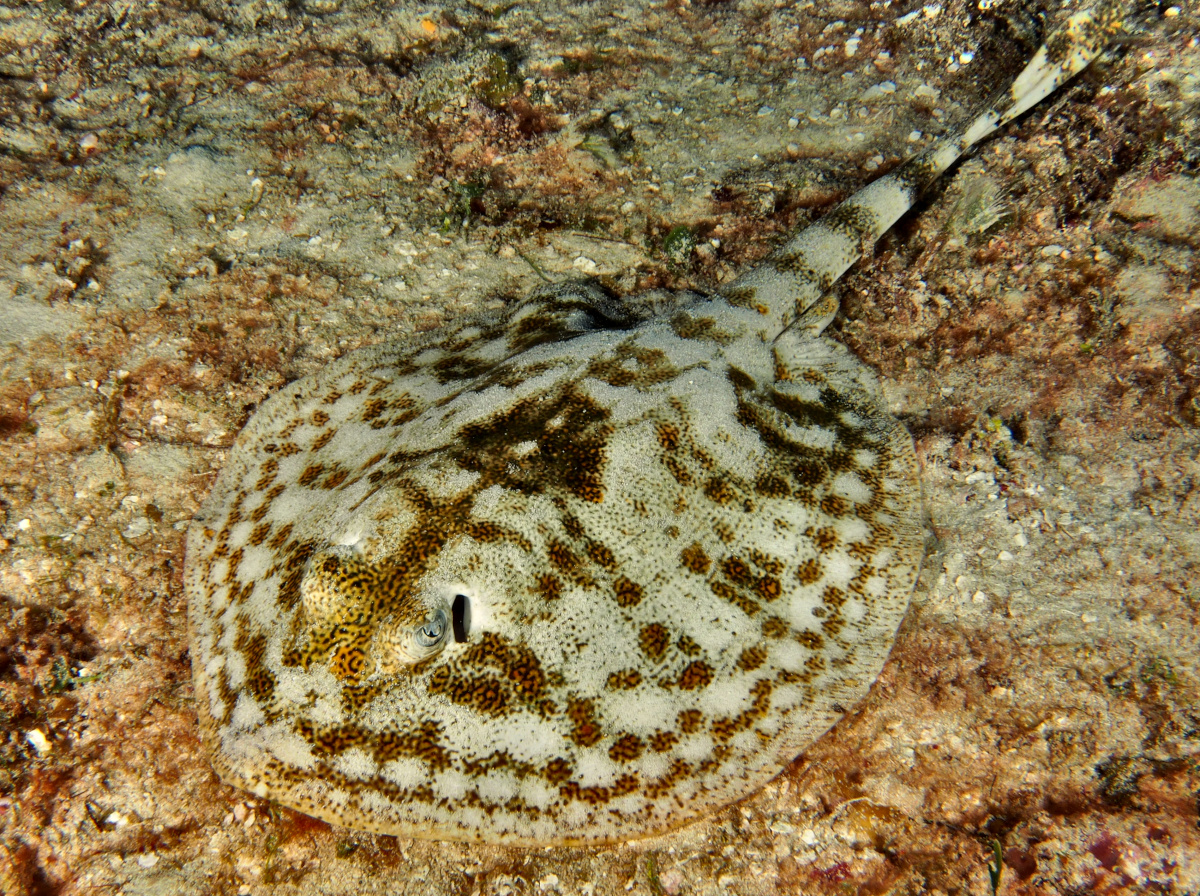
{"x":563,"y":578}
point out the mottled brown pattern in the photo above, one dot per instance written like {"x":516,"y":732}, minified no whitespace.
{"x":737,"y":571}
{"x":333,"y":739}
{"x":602,"y":556}
{"x":259,"y":680}
{"x":260,"y":533}
{"x":663,"y":741}
{"x":719,"y":491}
{"x":773,"y":627}
{"x":706,"y":328}
{"x":833,"y":505}
{"x":833,"y":596}
{"x":349,"y":661}
{"x":281,"y":537}
{"x":484,"y":693}
{"x":694,"y":558}
{"x":752,"y":658}
{"x":549,"y":586}
{"x":681,"y":770}
{"x":624,"y":679}
{"x":832,"y":624}
{"x":558,"y":770}
{"x":598,"y":796}
{"x":689,"y":721}
{"x":269,"y":470}
{"x":809,"y":572}
{"x":825,"y":539}
{"x":561,"y":556}
{"x":736,"y":596}
{"x":568,"y":429}
{"x":695,"y":675}
{"x":576,"y":570}
{"x":585,"y":729}
{"x":678,"y":471}
{"x":336,"y":478}
{"x":811,"y":640}
{"x":627,"y":748}
{"x":654,"y":639}
{"x":627,"y":593}
{"x":724,"y":728}
{"x":768,"y":588}
{"x":459,"y":586}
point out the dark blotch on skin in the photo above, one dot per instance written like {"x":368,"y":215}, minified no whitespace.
{"x":570,"y":453}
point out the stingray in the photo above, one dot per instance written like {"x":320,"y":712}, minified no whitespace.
{"x":574,"y":572}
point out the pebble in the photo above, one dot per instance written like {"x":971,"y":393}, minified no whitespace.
{"x":137,"y":527}
{"x":37,"y":740}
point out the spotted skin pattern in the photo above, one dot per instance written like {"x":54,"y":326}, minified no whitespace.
{"x":570,"y":574}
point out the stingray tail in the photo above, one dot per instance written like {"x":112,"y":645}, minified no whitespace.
{"x":792,"y":283}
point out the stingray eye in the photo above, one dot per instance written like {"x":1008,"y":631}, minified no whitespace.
{"x":432,"y":631}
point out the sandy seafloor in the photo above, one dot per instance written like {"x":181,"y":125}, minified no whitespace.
{"x":200,"y":201}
